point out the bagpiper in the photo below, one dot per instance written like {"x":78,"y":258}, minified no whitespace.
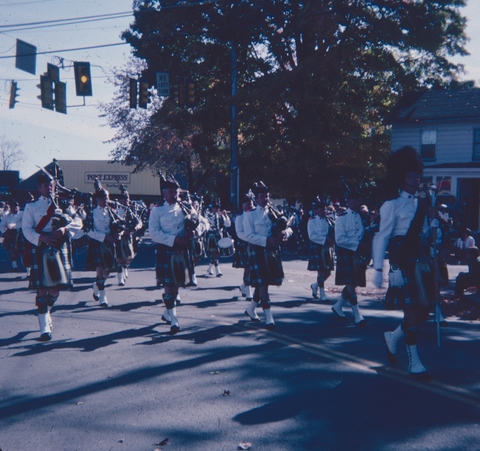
{"x":48,"y":233}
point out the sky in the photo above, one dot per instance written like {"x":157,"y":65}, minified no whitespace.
{"x":81,"y":134}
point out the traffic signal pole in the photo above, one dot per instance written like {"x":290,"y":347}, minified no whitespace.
{"x":234,"y":169}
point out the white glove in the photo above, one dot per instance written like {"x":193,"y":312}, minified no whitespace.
{"x":378,"y":279}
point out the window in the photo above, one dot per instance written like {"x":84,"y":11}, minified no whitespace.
{"x":476,"y":144}
{"x":428,"y":143}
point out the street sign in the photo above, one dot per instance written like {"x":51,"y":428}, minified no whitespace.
{"x":163,"y":85}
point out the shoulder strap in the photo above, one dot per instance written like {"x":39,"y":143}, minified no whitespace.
{"x":44,"y":221}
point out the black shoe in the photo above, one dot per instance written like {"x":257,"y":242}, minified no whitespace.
{"x":47,"y":336}
{"x":255,"y":320}
{"x":423,"y":377}
{"x":392,"y":358}
{"x":337,"y":315}
{"x":166,"y":320}
{"x":270,"y":326}
{"x":174,"y":330}
{"x":361,"y":323}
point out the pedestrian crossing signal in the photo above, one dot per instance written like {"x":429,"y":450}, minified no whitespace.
{"x":83,"y":79}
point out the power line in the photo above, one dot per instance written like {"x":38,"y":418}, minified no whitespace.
{"x":66,"y":21}
{"x":66,"y":50}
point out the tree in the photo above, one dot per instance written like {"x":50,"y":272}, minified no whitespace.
{"x":10,"y":153}
{"x":315,"y":80}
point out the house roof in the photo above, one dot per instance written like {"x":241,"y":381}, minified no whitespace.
{"x":436,"y":105}
{"x":30,"y":184}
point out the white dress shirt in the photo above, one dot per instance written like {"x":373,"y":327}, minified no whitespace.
{"x":12,"y":221}
{"x":318,"y":229}
{"x":257,"y":226}
{"x":166,"y":222}
{"x":349,"y":230}
{"x":101,"y":224}
{"x":34,"y":212}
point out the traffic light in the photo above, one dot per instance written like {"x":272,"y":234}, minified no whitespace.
{"x":13,"y":94}
{"x":190,"y":93}
{"x":133,"y":93}
{"x":46,"y":92}
{"x":144,"y":95}
{"x":83,"y":79}
{"x":61,"y":97}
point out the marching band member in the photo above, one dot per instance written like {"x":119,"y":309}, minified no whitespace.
{"x":350,"y":250}
{"x":404,"y":230}
{"x":48,"y":232}
{"x":265,"y":262}
{"x":320,"y":233}
{"x":101,"y":253}
{"x":219,"y":220}
{"x":240,"y":259}
{"x":197,"y":242}
{"x":126,"y":246}
{"x":167,"y":227}
{"x":10,"y":228}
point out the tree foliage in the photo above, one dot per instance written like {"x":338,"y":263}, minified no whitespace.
{"x":315,"y":80}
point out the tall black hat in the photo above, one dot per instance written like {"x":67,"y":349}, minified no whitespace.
{"x":168,"y":182}
{"x":318,"y":203}
{"x":100,"y":191}
{"x":124,"y":193}
{"x":43,"y":177}
{"x":260,"y":187}
{"x":401,"y":162}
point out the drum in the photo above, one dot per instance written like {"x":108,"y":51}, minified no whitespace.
{"x":225,"y":247}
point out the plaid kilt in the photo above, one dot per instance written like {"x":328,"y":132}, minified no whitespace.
{"x":36,"y":268}
{"x":316,"y":261}
{"x":94,"y":256}
{"x":12,"y":243}
{"x":240,"y":259}
{"x":259,"y":267}
{"x":348,"y":272}
{"x":163,"y":264}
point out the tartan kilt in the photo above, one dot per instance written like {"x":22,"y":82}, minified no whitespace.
{"x":348,"y":272}
{"x":163,"y":264}
{"x":316,"y":261}
{"x":240,"y":258}
{"x":11,"y":239}
{"x":259,"y":268}
{"x":36,"y":269}
{"x":94,"y":256}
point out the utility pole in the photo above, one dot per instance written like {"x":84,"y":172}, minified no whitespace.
{"x":234,"y":169}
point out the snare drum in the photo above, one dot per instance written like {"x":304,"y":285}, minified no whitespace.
{"x":225,"y":247}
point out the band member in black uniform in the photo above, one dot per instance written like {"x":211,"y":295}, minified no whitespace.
{"x":48,"y":232}
{"x":265,"y":231}
{"x":351,"y":260}
{"x":105,"y":233}
{"x":321,"y":234}
{"x":126,"y":246}
{"x":169,"y":228}
{"x":240,"y":260}
{"x":405,"y":231}
{"x":219,"y":221}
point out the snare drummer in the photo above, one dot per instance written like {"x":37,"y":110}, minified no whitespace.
{"x":101,"y":253}
{"x":219,"y":221}
{"x":258,"y":232}
{"x":167,"y":228}
{"x":320,"y":233}
{"x":39,"y":228}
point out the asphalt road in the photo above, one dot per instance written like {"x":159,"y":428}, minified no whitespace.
{"x":114,"y":379}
